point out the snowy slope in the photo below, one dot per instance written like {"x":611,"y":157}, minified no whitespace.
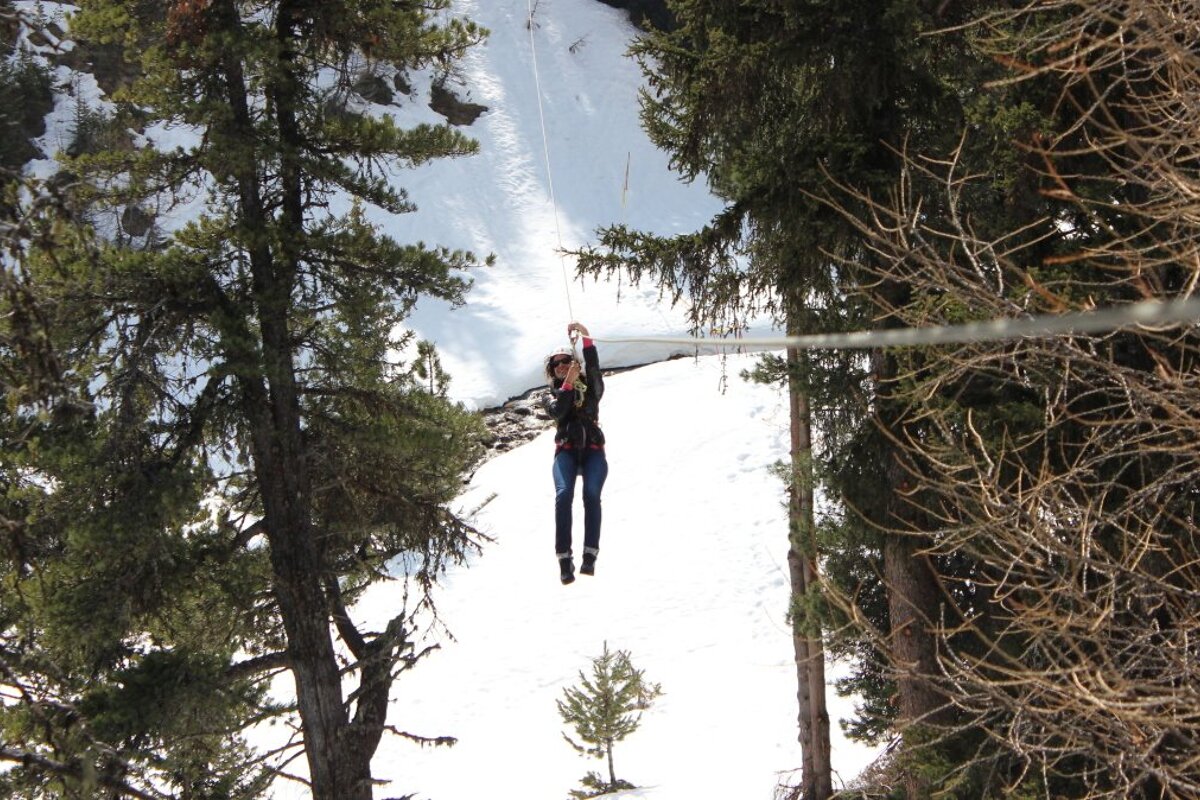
{"x":499,"y":201}
{"x":691,"y":580}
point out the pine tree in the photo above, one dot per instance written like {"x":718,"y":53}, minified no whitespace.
{"x":25,"y":99}
{"x":604,"y":709}
{"x":244,"y":452}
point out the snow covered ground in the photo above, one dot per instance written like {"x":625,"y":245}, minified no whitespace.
{"x":692,"y":580}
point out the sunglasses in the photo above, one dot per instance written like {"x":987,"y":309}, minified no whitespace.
{"x":555,"y":363}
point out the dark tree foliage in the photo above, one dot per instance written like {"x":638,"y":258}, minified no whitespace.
{"x":646,"y":13}
{"x":25,"y":99}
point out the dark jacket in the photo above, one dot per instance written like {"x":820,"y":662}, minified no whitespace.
{"x":579,"y":422}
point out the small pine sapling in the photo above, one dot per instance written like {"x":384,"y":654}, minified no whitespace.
{"x":604,"y":709}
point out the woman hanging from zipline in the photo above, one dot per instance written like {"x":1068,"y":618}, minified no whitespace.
{"x":574,"y":403}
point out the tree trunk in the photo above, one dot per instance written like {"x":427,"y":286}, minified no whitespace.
{"x":612,"y":775}
{"x":802,"y":568}
{"x":280,"y":469}
{"x":803,"y":690}
{"x":911,"y":583}
{"x":911,"y":601}
{"x":271,"y":405}
{"x":912,"y":604}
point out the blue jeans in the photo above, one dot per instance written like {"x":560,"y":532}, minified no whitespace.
{"x":593,"y":466}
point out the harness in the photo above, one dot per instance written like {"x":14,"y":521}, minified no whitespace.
{"x":584,"y":418}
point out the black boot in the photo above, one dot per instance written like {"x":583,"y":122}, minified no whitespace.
{"x":566,"y":570}
{"x":589,"y":564}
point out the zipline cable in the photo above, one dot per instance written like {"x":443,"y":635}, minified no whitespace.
{"x":1146,"y":313}
{"x":537,"y":84}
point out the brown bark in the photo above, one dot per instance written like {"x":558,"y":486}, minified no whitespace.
{"x":802,"y":568}
{"x":271,"y":405}
{"x":912,"y":603}
{"x":912,"y":588}
{"x":803,"y":690}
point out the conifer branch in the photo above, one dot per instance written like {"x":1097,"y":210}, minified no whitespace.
{"x":76,"y":772}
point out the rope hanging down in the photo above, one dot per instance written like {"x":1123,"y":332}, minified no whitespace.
{"x":1148,"y":313}
{"x":537,"y":85}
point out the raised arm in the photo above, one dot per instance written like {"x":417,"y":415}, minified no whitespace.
{"x":591,"y":360}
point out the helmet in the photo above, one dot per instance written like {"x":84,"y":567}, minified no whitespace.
{"x":562,"y":351}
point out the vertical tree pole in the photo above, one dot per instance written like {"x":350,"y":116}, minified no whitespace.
{"x":911,"y":582}
{"x":272,"y":406}
{"x":809,"y":650}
